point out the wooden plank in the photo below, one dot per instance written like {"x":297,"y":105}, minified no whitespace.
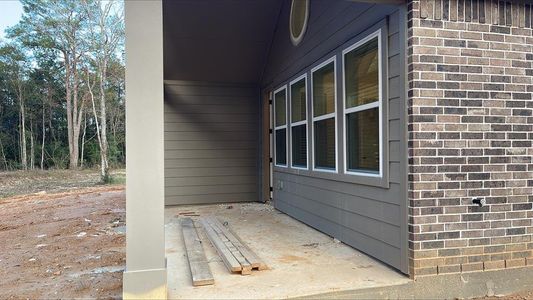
{"x":229,"y":260}
{"x":246,"y":267}
{"x":250,"y":256}
{"x":200,"y":271}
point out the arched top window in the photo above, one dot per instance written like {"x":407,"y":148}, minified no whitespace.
{"x":298,"y":20}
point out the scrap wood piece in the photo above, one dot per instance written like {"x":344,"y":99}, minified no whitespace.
{"x":188,"y":214}
{"x":200,"y":271}
{"x":245,"y":251}
{"x":227,"y":257}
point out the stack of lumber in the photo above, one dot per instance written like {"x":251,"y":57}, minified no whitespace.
{"x":200,"y":271}
{"x":235,"y":254}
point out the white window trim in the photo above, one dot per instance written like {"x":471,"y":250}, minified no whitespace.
{"x":374,"y":104}
{"x":323,"y":117}
{"x":299,"y":123}
{"x":281,"y":127}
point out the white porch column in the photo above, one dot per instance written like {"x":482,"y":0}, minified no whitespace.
{"x":146,"y":275}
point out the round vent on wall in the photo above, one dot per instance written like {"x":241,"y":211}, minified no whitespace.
{"x":298,"y":20}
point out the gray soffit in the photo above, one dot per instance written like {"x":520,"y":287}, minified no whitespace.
{"x":222,"y":40}
{"x":218,"y":41}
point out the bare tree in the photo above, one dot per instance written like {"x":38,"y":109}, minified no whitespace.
{"x":20,"y":95}
{"x":32,"y":147}
{"x":15,"y":64}
{"x":106,"y":34}
{"x":60,"y":26}
{"x":43,"y":135}
{"x":82,"y":158}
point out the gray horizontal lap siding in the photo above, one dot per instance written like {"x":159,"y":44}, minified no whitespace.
{"x":211,"y":143}
{"x":369,"y":218}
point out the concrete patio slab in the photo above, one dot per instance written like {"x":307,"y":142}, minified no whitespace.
{"x":302,"y":261}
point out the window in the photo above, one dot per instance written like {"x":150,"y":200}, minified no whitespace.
{"x":280,"y":121}
{"x":298,"y":20}
{"x":362,"y":105}
{"x":324,"y":127}
{"x":299,"y":122}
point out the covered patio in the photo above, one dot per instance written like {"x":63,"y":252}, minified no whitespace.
{"x":302,"y":261}
{"x":201,"y":78}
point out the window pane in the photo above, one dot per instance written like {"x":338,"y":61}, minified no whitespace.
{"x":299,"y":146}
{"x":281,"y":146}
{"x":361,"y":67}
{"x":325,"y":143}
{"x":298,"y":101}
{"x":281,"y":108}
{"x":362,"y":140}
{"x":324,"y":90}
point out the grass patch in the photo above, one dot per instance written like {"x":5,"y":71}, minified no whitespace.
{"x":114,"y":179}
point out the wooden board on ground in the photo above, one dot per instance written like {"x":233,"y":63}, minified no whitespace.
{"x":250,"y":256}
{"x":229,"y":260}
{"x":246,"y":267}
{"x":231,"y":248}
{"x":200,"y":271}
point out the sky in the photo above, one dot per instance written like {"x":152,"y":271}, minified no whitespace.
{"x":10,"y":14}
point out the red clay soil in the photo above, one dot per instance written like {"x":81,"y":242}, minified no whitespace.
{"x":66,"y":245}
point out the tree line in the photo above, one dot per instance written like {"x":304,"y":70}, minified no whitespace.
{"x":62,"y":87}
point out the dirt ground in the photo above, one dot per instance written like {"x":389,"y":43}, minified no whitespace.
{"x":51,"y":181}
{"x":61,"y":244}
{"x":62,"y":235}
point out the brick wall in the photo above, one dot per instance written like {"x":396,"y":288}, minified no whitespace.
{"x":470,"y":135}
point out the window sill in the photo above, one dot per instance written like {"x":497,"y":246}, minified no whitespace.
{"x":370,"y":180}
